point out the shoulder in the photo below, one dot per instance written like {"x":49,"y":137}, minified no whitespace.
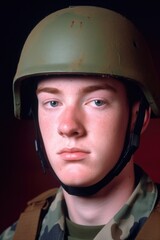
{"x":9,"y":232}
{"x":39,"y":204}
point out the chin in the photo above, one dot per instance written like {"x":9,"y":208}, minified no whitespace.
{"x":75,"y":179}
{"x":77,"y":182}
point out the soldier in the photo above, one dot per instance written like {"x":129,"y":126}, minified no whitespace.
{"x":86,"y":77}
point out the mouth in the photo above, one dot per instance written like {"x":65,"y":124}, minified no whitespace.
{"x":73,"y":154}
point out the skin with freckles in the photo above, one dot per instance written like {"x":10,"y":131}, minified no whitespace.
{"x":83,"y":125}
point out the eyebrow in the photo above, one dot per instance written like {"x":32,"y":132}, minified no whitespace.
{"x":87,"y":89}
{"x":47,"y":90}
{"x":97,"y":87}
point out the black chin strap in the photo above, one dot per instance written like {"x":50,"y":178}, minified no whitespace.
{"x":133,"y":144}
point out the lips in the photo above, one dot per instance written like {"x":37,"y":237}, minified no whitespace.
{"x":73,"y":154}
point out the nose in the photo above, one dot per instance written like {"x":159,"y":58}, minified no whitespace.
{"x":71,"y":123}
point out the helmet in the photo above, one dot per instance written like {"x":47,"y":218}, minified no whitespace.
{"x":85,"y":40}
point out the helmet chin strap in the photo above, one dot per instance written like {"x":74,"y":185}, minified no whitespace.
{"x":129,"y":149}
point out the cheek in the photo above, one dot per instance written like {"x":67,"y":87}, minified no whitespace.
{"x":112,"y":132}
{"x":46,"y":123}
{"x":112,"y":125}
{"x":44,"y":128}
{"x":47,"y":131}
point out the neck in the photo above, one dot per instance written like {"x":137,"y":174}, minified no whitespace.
{"x":101,"y":207}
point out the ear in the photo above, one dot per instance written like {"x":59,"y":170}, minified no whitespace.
{"x":147,"y":117}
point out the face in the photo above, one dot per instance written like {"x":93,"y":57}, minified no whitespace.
{"x":83,"y":122}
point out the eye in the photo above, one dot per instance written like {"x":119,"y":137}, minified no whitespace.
{"x":99,"y":102}
{"x":53,"y":103}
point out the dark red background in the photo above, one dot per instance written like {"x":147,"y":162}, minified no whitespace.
{"x":21,"y":177}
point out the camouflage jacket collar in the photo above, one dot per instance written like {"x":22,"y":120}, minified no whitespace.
{"x":125,"y":224}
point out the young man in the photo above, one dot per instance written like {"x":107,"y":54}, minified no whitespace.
{"x":86,"y":77}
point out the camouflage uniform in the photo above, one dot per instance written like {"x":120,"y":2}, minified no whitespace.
{"x":125,"y":224}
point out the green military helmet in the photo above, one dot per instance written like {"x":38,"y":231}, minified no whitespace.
{"x":85,"y":40}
